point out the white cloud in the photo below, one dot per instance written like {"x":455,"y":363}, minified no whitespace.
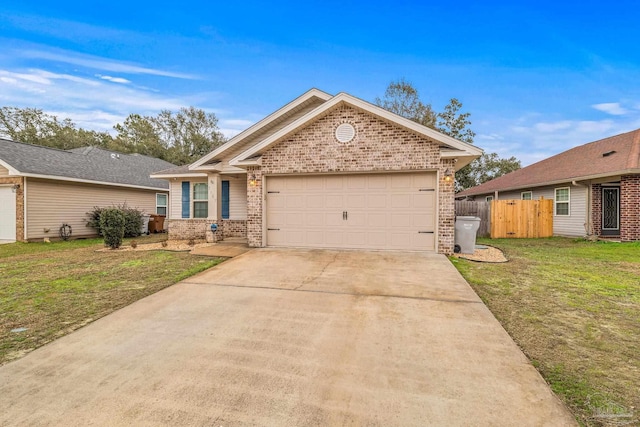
{"x":113,"y":79}
{"x":613,"y":108}
{"x":99,"y":63}
{"x":552,"y":126}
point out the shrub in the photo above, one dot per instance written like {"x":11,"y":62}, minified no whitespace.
{"x":133,"y":219}
{"x":93,"y":218}
{"x":112,"y":223}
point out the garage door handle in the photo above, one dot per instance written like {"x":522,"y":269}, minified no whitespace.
{"x":425,"y":232}
{"x":427,"y":189}
{"x":273,"y":229}
{"x":345,"y":215}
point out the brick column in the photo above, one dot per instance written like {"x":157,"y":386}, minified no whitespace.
{"x":446,"y":209}
{"x":254,"y":206}
{"x":630,"y":208}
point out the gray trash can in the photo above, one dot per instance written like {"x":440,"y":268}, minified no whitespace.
{"x":145,"y":224}
{"x":465,"y":236}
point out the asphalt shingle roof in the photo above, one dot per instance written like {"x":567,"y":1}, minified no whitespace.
{"x":88,"y":163}
{"x":609,"y":156}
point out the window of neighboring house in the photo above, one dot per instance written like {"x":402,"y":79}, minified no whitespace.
{"x":561,"y":201}
{"x":200,"y":200}
{"x":161,"y":204}
{"x":488,"y":198}
{"x":527,"y":195}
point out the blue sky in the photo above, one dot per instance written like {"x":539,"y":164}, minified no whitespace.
{"x":538,"y":77}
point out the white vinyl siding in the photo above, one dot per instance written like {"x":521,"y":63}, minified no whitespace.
{"x":238,"y":197}
{"x":572,"y":225}
{"x":4,"y":171}
{"x":53,"y":203}
{"x":175,"y":199}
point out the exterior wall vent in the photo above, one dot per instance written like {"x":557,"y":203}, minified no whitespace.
{"x":345,"y":132}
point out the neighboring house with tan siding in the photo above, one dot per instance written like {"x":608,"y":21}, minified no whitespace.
{"x":595,"y":188}
{"x":42,"y":188}
{"x":324,"y":172}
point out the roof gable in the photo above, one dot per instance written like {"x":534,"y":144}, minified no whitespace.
{"x":455,"y":149}
{"x":265,"y":127}
{"x":86,"y":164}
{"x":606,"y":157}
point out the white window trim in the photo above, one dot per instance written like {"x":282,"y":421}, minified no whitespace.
{"x":555,"y":201}
{"x":526,"y":192}
{"x":166,"y":206}
{"x":488,"y":199}
{"x":195,"y":200}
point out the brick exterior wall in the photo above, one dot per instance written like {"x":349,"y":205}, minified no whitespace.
{"x":197,"y":229}
{"x":378,"y":146}
{"x":596,"y":208}
{"x":234,"y":228}
{"x":630,"y":208}
{"x":254,"y":207}
{"x":19,"y":204}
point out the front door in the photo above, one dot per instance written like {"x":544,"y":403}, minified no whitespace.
{"x":610,"y":211}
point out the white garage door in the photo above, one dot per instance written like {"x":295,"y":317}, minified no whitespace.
{"x":369,"y":211}
{"x":7,"y":214}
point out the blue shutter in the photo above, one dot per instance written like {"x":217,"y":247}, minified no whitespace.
{"x":186,"y":201}
{"x":225,"y":199}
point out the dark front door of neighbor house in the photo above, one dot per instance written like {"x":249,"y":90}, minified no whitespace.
{"x":610,"y":211}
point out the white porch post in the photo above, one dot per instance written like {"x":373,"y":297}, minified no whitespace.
{"x":215,"y":197}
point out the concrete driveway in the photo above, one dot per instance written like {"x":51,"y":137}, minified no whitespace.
{"x":290,"y":337}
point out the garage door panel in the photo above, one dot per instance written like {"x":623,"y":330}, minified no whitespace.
{"x":315,"y":201}
{"x":376,"y":201}
{"x":383,"y":211}
{"x":425,"y":180}
{"x":377,"y":220}
{"x":334,"y":201}
{"x":401,"y":201}
{"x":424,"y":201}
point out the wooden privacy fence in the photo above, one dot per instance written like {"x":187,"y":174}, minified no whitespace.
{"x":521,"y":218}
{"x":479,"y":209}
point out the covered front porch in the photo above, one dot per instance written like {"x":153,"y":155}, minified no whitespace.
{"x":207,"y":206}
{"x":616,"y":208}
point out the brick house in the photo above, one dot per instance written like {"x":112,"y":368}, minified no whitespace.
{"x":42,"y":188}
{"x":595,"y":188}
{"x":324,"y":172}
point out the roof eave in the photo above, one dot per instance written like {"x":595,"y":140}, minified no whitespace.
{"x":632,"y":171}
{"x":178,"y":175}
{"x":88,"y":181}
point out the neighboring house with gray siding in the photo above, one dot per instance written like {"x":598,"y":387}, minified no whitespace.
{"x":42,"y":188}
{"x":324,"y":171}
{"x":595,"y":188}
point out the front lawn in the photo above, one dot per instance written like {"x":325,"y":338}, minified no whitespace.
{"x":573,"y":306}
{"x":50,"y":289}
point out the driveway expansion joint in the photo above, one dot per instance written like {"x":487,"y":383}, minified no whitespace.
{"x":318,"y":291}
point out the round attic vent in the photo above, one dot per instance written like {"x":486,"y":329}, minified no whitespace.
{"x":345,"y":132}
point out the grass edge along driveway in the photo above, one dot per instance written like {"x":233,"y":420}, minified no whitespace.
{"x":48,"y":290}
{"x":573,"y":306}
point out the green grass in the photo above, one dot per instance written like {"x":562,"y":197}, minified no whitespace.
{"x":573,"y":306}
{"x":54,"y":288}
